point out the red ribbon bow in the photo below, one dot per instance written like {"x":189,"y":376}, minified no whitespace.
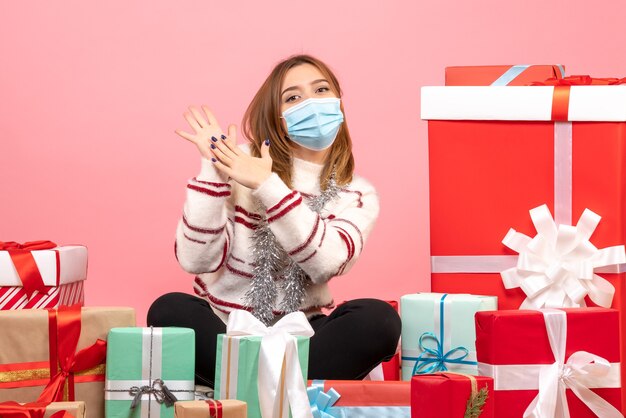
{"x":215,"y":408}
{"x":25,"y":263}
{"x":29,"y":410}
{"x":560,"y":97}
{"x":580,"y":80}
{"x":64,"y":329}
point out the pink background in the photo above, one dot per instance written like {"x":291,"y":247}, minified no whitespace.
{"x":91,"y":93}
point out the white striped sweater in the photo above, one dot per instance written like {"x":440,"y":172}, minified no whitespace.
{"x":214,"y":236}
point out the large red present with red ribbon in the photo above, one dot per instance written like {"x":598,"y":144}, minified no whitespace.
{"x":495,"y":153}
{"x":546,"y":362}
{"x":40,"y":274}
{"x":501,"y":75}
{"x":451,"y":395}
{"x":57,"y":355}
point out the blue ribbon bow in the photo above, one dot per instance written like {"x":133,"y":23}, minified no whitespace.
{"x":321,"y":402}
{"x":433,"y":360}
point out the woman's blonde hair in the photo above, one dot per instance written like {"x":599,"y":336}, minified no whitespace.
{"x":262,"y":121}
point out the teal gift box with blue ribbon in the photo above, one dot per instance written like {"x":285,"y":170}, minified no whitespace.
{"x":438,"y":332}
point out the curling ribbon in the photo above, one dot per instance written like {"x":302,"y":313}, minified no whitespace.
{"x":279,"y":366}
{"x":25,"y":263}
{"x":63,"y":352}
{"x":561,"y":375}
{"x":215,"y":408}
{"x":555,"y":268}
{"x":322,"y":402}
{"x":433,"y":360}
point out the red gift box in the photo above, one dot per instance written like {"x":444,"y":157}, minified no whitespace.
{"x":446,"y":395}
{"x":514,"y":347}
{"x":510,"y":75}
{"x":366,"y":398}
{"x":497,"y":152}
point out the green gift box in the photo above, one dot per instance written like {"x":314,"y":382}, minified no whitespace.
{"x":438,"y":332}
{"x":148,"y":369}
{"x":237,"y":367}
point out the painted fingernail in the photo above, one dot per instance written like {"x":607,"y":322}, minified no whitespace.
{"x":214,"y":160}
{"x":214,"y":139}
{"x":213,"y":146}
{"x":223,"y":137}
{"x":267,"y":142}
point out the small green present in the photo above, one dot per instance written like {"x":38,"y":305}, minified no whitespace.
{"x":265,"y":366}
{"x":438,"y":332}
{"x":147,"y":370}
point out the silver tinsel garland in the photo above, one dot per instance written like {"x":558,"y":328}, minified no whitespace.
{"x":273,"y":264}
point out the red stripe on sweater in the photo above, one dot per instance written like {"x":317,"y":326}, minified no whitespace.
{"x":223,"y":258}
{"x":323,"y":235}
{"x":193,"y":240}
{"x":308,"y":258}
{"x":309,"y":239}
{"x":203,"y":230}
{"x":207,"y":191}
{"x":237,"y":259}
{"x":345,"y":263}
{"x":250,"y":215}
{"x":359,"y":195}
{"x":352,"y":248}
{"x":239,"y":272}
{"x":176,"y":250}
{"x":353,"y":226}
{"x":282,"y":202}
{"x":245,"y":223}
{"x":200,"y":283}
{"x":286,"y":210}
{"x":211,"y":183}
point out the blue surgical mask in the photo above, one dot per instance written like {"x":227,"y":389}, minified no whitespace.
{"x":314,"y":123}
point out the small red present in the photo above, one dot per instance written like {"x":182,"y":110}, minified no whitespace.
{"x":547,"y":362}
{"x":451,"y":395}
{"x":501,"y":75}
{"x":357,"y":398}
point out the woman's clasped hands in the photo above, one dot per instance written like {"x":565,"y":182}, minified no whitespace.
{"x":223,"y":150}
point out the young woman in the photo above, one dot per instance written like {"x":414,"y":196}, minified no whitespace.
{"x":265,"y":226}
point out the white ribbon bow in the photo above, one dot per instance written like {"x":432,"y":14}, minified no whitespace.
{"x":278,"y":362}
{"x":554,"y":380}
{"x":555,"y":268}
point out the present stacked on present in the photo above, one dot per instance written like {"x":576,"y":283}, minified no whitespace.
{"x":504,"y":159}
{"x":40,"y":274}
{"x":52,"y":360}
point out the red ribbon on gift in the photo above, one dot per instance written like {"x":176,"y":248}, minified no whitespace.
{"x":560,"y":97}
{"x":64,"y":330}
{"x":29,"y":410}
{"x":215,"y":408}
{"x":25,"y":263}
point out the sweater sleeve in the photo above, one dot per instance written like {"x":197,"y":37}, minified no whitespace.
{"x":204,"y":233}
{"x":324,"y":248}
